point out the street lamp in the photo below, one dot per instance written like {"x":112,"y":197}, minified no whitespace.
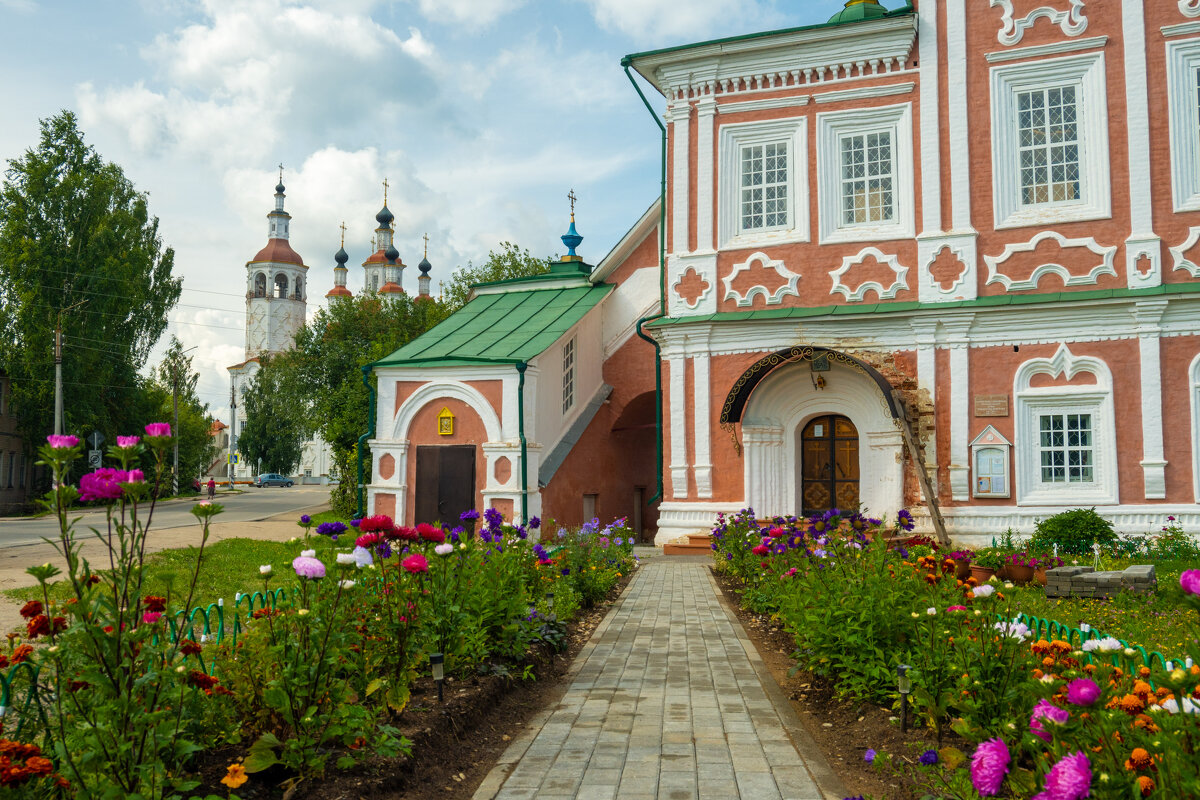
{"x":435,"y":662}
{"x":904,"y":685}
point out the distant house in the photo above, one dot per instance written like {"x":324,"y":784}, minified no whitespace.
{"x":16,"y":464}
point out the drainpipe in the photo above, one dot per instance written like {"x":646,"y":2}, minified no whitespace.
{"x":366,"y":378}
{"x":521,"y":367}
{"x":662,"y":287}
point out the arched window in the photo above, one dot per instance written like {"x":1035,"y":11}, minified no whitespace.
{"x":281,"y":285}
{"x":260,"y":285}
{"x":299,"y":295}
{"x":375,"y":282}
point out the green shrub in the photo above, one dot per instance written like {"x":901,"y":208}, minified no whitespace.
{"x":1074,"y":532}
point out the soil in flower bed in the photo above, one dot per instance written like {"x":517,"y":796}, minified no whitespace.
{"x":843,"y":730}
{"x":454,"y":744}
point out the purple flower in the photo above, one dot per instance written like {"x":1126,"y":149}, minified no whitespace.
{"x":455,"y":534}
{"x":128,"y":441}
{"x":928,"y":758}
{"x":535,"y":522}
{"x":103,"y":484}
{"x":566,"y":571}
{"x":384,"y":550}
{"x":331,"y":529}
{"x":521,"y":532}
{"x":989,"y":766}
{"x":869,"y":756}
{"x":1190,"y":581}
{"x":308,"y":567}
{"x":156,"y":429}
{"x":354,"y":523}
{"x":305,"y":519}
{"x":904,"y":519}
{"x":469,"y":515}
{"x":62,"y":441}
{"x":1082,"y":692}
{"x":1050,"y":713}
{"x":1069,"y":779}
{"x":493,"y":518}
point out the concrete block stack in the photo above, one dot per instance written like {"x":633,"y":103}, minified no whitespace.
{"x":1086,"y":582}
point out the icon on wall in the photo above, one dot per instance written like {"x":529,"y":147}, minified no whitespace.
{"x":445,"y":423}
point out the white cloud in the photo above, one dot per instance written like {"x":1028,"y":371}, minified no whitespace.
{"x":657,"y":20}
{"x":22,"y":6}
{"x":471,"y":13}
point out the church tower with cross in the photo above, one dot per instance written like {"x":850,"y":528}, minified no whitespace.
{"x":276,"y":286}
{"x":383,"y":271}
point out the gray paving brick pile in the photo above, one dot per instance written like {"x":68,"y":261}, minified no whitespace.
{"x":668,"y":701}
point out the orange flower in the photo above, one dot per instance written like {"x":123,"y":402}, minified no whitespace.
{"x":1144,"y":672}
{"x":1131,"y":704}
{"x":1048,"y":661}
{"x":1060,"y":646}
{"x":1089,"y":668}
{"x":1139,"y":759}
{"x":1146,"y":784}
{"x":1141,"y":689}
{"x":1040,"y":646}
{"x":235,"y":776}
{"x":1145,"y":723}
{"x":1037,"y":674}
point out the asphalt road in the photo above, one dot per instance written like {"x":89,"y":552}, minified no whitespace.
{"x":249,"y":506}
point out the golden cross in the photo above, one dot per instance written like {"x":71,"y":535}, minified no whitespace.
{"x":571,"y":197}
{"x":281,"y":172}
{"x":343,"y":227}
{"x":373,"y":246}
{"x":426,"y":238}
{"x":385,"y":188}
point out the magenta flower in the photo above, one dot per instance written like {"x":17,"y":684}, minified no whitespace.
{"x":1190,"y":581}
{"x":415,"y":563}
{"x":308,"y":567}
{"x":62,"y":441}
{"x":989,"y":766}
{"x":158,"y":429}
{"x":957,"y":608}
{"x":759,"y":550}
{"x":1069,"y":779}
{"x":151,"y":617}
{"x":1082,"y":692}
{"x":1051,"y":714}
{"x":128,"y":441}
{"x":103,"y":484}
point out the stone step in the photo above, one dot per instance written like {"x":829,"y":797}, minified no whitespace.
{"x":694,"y":544}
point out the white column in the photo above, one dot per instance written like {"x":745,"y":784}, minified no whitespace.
{"x":931,"y":167}
{"x":925,"y":333}
{"x":1142,"y":241}
{"x":958,"y":340}
{"x":701,"y":424}
{"x":706,"y":108}
{"x":1154,"y":465}
{"x":960,"y":156}
{"x":677,"y":405}
{"x":680,"y":117}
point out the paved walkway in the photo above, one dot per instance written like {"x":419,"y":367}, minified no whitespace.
{"x":669,"y":701}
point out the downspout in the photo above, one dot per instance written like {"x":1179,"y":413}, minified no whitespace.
{"x":521,"y":367}
{"x":662,"y":288}
{"x":366,"y":372}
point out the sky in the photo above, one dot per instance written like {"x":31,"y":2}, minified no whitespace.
{"x":481,"y":115}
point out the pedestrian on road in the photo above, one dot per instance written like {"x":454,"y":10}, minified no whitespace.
{"x":212,"y":488}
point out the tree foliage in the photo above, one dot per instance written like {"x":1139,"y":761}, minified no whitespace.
{"x":196,"y":447}
{"x":75,"y":233}
{"x":508,"y":261}
{"x":275,"y":430}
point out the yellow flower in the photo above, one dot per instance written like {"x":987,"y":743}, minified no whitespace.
{"x":235,"y":776}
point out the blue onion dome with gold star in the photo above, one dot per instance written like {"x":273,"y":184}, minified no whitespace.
{"x":385,"y":217}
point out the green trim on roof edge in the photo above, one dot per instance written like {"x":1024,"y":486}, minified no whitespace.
{"x":896,"y":308}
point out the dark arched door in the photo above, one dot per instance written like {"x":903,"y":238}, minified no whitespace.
{"x":828,"y":465}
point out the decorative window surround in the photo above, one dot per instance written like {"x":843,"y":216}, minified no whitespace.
{"x":766,"y":262}
{"x":761,"y":105}
{"x":1105,"y":267}
{"x":1052,"y":49}
{"x":733,"y":137}
{"x":1189,"y":8}
{"x":1181,"y":29}
{"x":1084,"y":72}
{"x":1194,"y":393}
{"x":1183,"y":67}
{"x":987,"y":485}
{"x":1094,"y":400}
{"x":865,"y":92}
{"x":831,"y":126}
{"x":1071,"y":21}
{"x":1178,"y":253}
{"x":928,"y":250}
{"x":885,"y":293}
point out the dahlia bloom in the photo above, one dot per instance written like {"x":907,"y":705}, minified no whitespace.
{"x":1069,"y":779}
{"x":1190,"y":581}
{"x":1082,"y":692}
{"x":158,"y":429}
{"x":308,"y":567}
{"x":989,"y":766}
{"x":62,"y":441}
{"x":1051,"y":714}
{"x":415,"y":563}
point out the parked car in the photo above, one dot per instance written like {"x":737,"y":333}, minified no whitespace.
{"x":272,"y":479}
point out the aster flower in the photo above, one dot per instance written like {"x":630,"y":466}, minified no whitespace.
{"x":534,"y":523}
{"x":1069,"y":779}
{"x":128,"y":441}
{"x":1083,"y":692}
{"x":158,"y":429}
{"x":1050,"y":713}
{"x":362,"y":557}
{"x":415,"y":563}
{"x":444,"y":549}
{"x":869,"y":756}
{"x":103,"y":484}
{"x":928,"y":758}
{"x":983,"y":591}
{"x":308,"y":567}
{"x":989,"y":766}
{"x":1190,"y":581}
{"x":265,"y":569}
{"x":469,"y":516}
{"x":62,"y":441}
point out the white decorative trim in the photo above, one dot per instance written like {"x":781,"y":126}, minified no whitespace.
{"x":856,"y":295}
{"x":1189,"y":8}
{"x":708,"y":288}
{"x":680,"y":178}
{"x":1071,"y":22}
{"x":1137,"y":130}
{"x":1194,"y":403}
{"x":958,"y":116}
{"x":705,"y":188}
{"x":1181,"y":29}
{"x":831,"y":126}
{"x":931,"y":138}
{"x":702,"y":423}
{"x":1177,"y":253}
{"x":1086,"y":73}
{"x":677,"y":404}
{"x":1151,"y":248}
{"x":766,"y":262}
{"x":976,"y":525}
{"x":1052,"y":49}
{"x":1096,"y":400}
{"x":1148,"y":317}
{"x":705,"y":265}
{"x":437,"y":389}
{"x":678,"y":519}
{"x":958,"y":337}
{"x":865,"y":92}
{"x":925,"y":336}
{"x":1183,"y":62}
{"x":990,"y":438}
{"x":929,"y":249}
{"x":1105,"y":267}
{"x":732,"y":137}
{"x":762,"y":105}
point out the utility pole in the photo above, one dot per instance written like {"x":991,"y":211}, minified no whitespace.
{"x":58,"y":395}
{"x":175,"y":430}
{"x":232,"y":427}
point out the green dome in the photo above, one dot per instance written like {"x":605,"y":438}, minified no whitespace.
{"x":856,"y":10}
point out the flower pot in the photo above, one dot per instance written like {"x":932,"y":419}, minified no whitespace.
{"x":1039,"y":576}
{"x":981,"y":574}
{"x":1020,"y":574}
{"x":962,"y":569}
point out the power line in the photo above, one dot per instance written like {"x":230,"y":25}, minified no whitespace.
{"x":114,"y":278}
{"x":94,"y":293}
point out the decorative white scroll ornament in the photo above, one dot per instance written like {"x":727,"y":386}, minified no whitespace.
{"x":1177,"y":253}
{"x":764,"y":261}
{"x":700,"y":277}
{"x":1189,"y":8}
{"x":962,"y":275}
{"x":1105,"y":267}
{"x":856,"y":295}
{"x":1071,"y":21}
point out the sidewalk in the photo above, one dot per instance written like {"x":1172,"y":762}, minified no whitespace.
{"x":668,"y":701}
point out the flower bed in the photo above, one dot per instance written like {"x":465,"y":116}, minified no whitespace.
{"x":1013,"y":715}
{"x":310,"y":672}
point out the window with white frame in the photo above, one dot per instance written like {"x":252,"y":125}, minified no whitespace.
{"x":568,"y":373}
{"x":1183,"y":93}
{"x":865,"y":174}
{"x":1050,"y":141}
{"x":1065,"y":433}
{"x":761,"y":183}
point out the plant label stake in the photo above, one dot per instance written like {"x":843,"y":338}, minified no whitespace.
{"x":904,"y":685}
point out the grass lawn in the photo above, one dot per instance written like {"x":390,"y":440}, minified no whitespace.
{"x":229,"y":566}
{"x":1156,"y":621}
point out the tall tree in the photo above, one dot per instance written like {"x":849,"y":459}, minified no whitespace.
{"x":75,"y":234}
{"x":507,"y":261}
{"x":196,"y":448}
{"x":273,"y":435}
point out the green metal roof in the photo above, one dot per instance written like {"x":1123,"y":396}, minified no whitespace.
{"x":886,"y":308}
{"x":500,"y":328}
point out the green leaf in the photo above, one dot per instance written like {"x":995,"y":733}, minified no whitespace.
{"x":262,"y":753}
{"x":373,"y":686}
{"x":346,"y":762}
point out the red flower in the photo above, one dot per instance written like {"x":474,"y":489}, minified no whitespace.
{"x":760,"y":550}
{"x":416,"y":563}
{"x":59,"y":624}
{"x":431,"y":534}
{"x":22,"y":653}
{"x":201,"y":680}
{"x":75,"y":686}
{"x":38,"y":626}
{"x":189,"y":648}
{"x":379,"y":522}
{"x":367,"y":540}
{"x":154,"y":603}
{"x":407,"y":534}
{"x":31,"y":609}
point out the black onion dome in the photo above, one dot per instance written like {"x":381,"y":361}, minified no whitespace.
{"x":392,"y":254}
{"x":279,"y":188}
{"x":425,"y":266}
{"x":341,"y":257}
{"x":384,"y":217}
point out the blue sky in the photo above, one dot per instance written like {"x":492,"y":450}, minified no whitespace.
{"x":482,"y":114}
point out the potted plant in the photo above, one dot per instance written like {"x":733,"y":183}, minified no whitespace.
{"x":1020,"y":567}
{"x":985,"y":563}
{"x":962,"y":560}
{"x":1043,"y":563}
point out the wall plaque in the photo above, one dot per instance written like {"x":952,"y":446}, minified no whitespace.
{"x":991,"y":405}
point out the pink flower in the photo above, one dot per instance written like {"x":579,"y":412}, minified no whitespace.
{"x":957,"y":608}
{"x":415,"y":563}
{"x":759,"y":550}
{"x":366,"y":540}
{"x":989,"y":766}
{"x":1069,"y":779}
{"x":156,"y":429}
{"x":308,"y":567}
{"x":133,"y":476}
{"x":1190,"y":581}
{"x":128,"y":441}
{"x":1051,"y":714}
{"x":62,"y":441}
{"x":151,"y":617}
{"x":1082,"y":692}
{"x":103,"y":484}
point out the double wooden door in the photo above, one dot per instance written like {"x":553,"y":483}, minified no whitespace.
{"x":828,"y":465}
{"x":445,"y":485}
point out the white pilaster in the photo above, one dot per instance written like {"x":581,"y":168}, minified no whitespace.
{"x":677,"y":401}
{"x":960,"y":155}
{"x":925,"y":334}
{"x":701,"y":423}
{"x":706,"y":109}
{"x":1154,"y":465}
{"x":766,"y":490}
{"x":1142,"y":242}
{"x":680,"y":117}
{"x":958,"y":340}
{"x":931,"y":171}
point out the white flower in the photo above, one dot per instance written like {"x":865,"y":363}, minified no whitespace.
{"x":181,"y":669}
{"x":1048,"y":679}
{"x":308,"y":553}
{"x":1008,"y":585}
{"x":362,"y":557}
{"x":293,"y":540}
{"x":444,"y":549}
{"x":916,"y":615}
{"x":1130,"y":652}
{"x":1106,"y":645}
{"x":1016,"y":630}
{"x":347,"y":584}
{"x":345,"y":559}
{"x":931,"y":611}
{"x":978,"y":612}
{"x":462,"y":546}
{"x":984,"y":591}
{"x":265,"y":569}
{"x":303,"y":612}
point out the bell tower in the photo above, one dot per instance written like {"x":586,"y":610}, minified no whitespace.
{"x":276,"y":286}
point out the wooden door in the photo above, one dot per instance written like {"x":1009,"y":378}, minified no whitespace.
{"x":445,"y":482}
{"x":829,"y":465}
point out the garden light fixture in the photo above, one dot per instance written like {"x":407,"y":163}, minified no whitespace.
{"x":550,"y":602}
{"x":904,"y":685}
{"x":435,"y":662}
